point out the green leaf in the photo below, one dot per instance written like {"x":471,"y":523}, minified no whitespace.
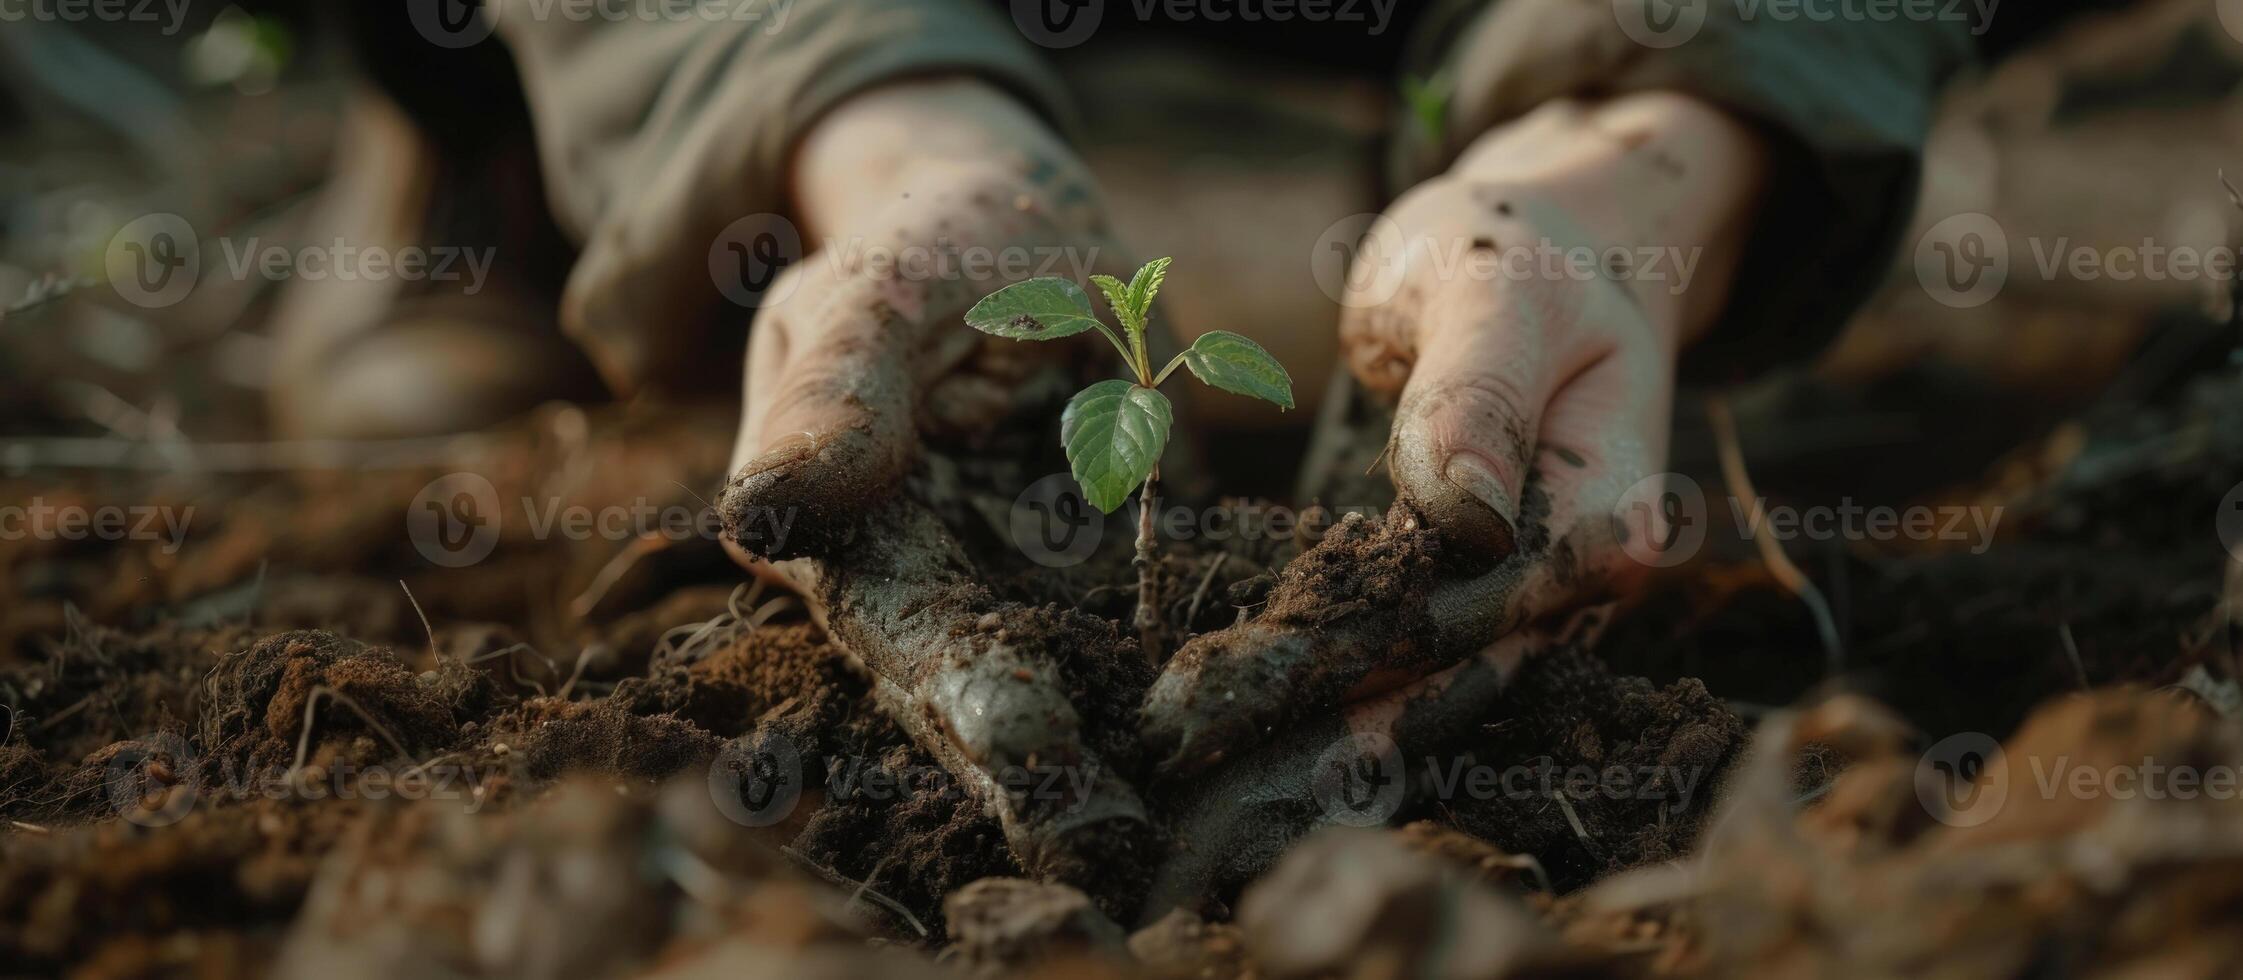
{"x":1114,"y":432}
{"x":1039,"y":309}
{"x":1239,"y":366}
{"x":1145,"y":285}
{"x":1117,"y":295}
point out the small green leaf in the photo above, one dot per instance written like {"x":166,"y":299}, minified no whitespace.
{"x":1117,"y":295}
{"x":1239,"y":366}
{"x":1145,"y":285}
{"x":1039,"y":309}
{"x":1114,"y":432}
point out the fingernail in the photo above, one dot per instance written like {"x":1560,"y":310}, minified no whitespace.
{"x":783,"y":453}
{"x":1474,"y":476}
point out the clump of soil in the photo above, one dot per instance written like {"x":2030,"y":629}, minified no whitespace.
{"x":263,"y":697}
{"x":1565,"y":726}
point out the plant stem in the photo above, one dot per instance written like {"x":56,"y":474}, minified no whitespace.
{"x":1148,"y":577}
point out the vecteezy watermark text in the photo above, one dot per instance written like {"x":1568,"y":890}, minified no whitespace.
{"x":456,"y":520}
{"x":43,"y":521}
{"x":1663,"y":520}
{"x":747,"y":258}
{"x":1362,"y":779}
{"x":1669,"y":23}
{"x":1361,"y":260}
{"x":156,"y":260}
{"x":158,"y":779}
{"x":460,"y":23}
{"x":1067,"y":23}
{"x":758,"y":779}
{"x":1967,"y":779}
{"x":1965,"y":260}
{"x":171,"y":13}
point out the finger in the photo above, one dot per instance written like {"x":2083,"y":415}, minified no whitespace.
{"x":1243,"y":815}
{"x":980,"y":685}
{"x":1490,"y":358}
{"x":1368,"y":610}
{"x":1603,"y":434}
{"x":826,"y":425}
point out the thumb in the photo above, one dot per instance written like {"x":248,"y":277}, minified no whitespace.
{"x":1466,"y":427}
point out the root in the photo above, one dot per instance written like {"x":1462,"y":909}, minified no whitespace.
{"x":311,"y":704}
{"x":434,"y":655}
{"x":862,"y":889}
{"x":1191,"y":615}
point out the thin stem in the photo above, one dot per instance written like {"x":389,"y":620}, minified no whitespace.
{"x":1141,"y":361}
{"x":1173,"y":364}
{"x":1120,"y":348}
{"x":1148,"y":578}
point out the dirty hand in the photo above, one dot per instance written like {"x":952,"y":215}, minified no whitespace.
{"x":915,"y":201}
{"x":853,"y":361}
{"x":1526,"y":309}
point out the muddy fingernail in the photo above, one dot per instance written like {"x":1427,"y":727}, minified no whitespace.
{"x":1491,"y":530}
{"x":1474,"y":476}
{"x":785,"y":452}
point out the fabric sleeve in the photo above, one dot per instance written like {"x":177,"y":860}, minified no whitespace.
{"x":658,"y":132}
{"x":1845,"y":103}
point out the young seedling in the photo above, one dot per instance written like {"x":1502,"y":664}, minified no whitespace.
{"x":1114,"y":431}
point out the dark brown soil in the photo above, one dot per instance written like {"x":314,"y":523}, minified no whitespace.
{"x":136,"y":683}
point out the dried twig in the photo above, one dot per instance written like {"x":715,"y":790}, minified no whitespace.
{"x":1771,"y":551}
{"x":2071,"y":651}
{"x":433,"y":653}
{"x":1205,"y":581}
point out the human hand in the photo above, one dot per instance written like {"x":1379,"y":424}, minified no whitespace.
{"x":1527,"y":309}
{"x":855,"y":362}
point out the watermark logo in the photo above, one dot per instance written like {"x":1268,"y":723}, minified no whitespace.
{"x":452,"y":23}
{"x":2229,"y":521}
{"x":157,"y":259}
{"x":1963,"y":261}
{"x":746,"y":259}
{"x":1660,"y":23}
{"x":1359,"y":261}
{"x":1362,"y":260}
{"x":1660,"y":521}
{"x":154,"y":780}
{"x":454,"y":521}
{"x":1669,"y":23}
{"x":154,"y":261}
{"x":1963,"y":779}
{"x":1359,"y":780}
{"x":1053,"y":525}
{"x":756,"y":780}
{"x":462,"y":23}
{"x":1058,"y":23}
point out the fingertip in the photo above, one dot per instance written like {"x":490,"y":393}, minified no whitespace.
{"x":1461,"y":494}
{"x":804,"y":495}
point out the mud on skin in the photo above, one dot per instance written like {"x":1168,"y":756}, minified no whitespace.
{"x":1356,"y":603}
{"x":992,"y":689}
